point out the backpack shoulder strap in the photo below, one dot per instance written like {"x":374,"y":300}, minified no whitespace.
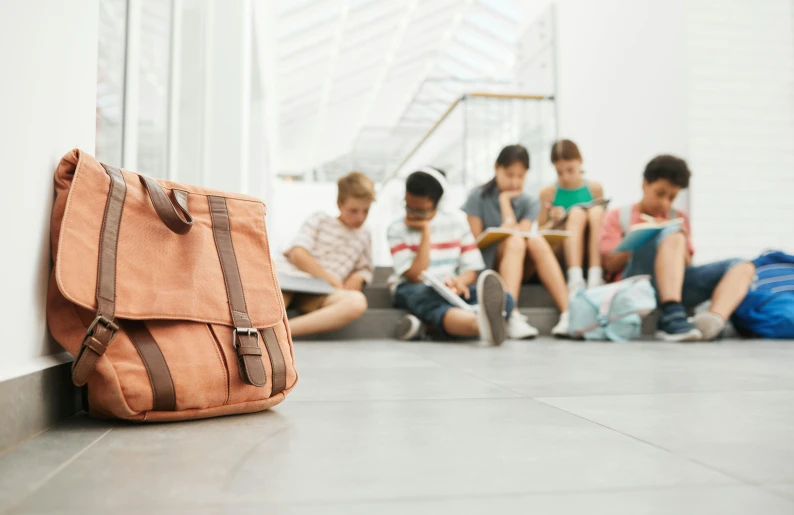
{"x":625,"y":218}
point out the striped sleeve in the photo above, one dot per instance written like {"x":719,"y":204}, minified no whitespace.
{"x":401,"y":252}
{"x":364,"y":266}
{"x":307,"y":235}
{"x":470,"y":255}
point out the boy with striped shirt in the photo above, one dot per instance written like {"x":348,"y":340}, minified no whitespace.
{"x":437,"y":243}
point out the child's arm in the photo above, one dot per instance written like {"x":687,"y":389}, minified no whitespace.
{"x":476,"y":225}
{"x":305,"y":262}
{"x":611,"y":235}
{"x":299,"y":253}
{"x":422,"y":259}
{"x":362,"y":272}
{"x":596,"y":190}
{"x":505,"y":205}
{"x":545,"y":219}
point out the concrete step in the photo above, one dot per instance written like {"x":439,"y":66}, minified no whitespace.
{"x":382,"y":323}
{"x":532,"y":296}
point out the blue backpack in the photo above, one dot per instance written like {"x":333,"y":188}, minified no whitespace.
{"x":768,"y":309}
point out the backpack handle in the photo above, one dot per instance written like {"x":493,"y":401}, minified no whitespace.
{"x":172,"y":211}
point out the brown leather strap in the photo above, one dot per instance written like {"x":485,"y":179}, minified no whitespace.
{"x":102,"y":330}
{"x":156,"y":366}
{"x":245,"y":338}
{"x":278,"y":375}
{"x":175,"y":217}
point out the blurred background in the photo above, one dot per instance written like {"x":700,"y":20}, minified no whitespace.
{"x":279,"y":98}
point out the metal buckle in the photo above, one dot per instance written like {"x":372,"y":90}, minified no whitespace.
{"x":248,"y":331}
{"x":109,"y":324}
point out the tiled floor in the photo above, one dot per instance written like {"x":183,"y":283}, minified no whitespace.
{"x":383,"y":427}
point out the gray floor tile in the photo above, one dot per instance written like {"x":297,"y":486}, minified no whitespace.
{"x":368,"y":354}
{"x":783,"y":489}
{"x":747,"y":435}
{"x":562,"y":368}
{"x":30,"y":464}
{"x":352,"y":451}
{"x":394,"y":383}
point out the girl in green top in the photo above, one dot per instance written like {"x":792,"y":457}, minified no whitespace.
{"x":561,"y":198}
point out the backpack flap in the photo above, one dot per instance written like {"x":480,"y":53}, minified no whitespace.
{"x":159,"y":273}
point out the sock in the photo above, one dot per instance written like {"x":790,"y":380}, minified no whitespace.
{"x":670,"y":305}
{"x":575,"y":275}
{"x":595,"y":274}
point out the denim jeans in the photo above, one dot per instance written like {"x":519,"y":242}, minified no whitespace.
{"x":430,"y":307}
{"x":699,"y":281}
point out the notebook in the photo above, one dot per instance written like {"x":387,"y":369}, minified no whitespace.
{"x":444,"y":290}
{"x":640,"y":234}
{"x":497,"y":235}
{"x":585,"y":206}
{"x":298,"y":282}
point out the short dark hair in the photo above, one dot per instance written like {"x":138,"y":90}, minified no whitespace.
{"x":672,"y":168}
{"x":423,"y":184}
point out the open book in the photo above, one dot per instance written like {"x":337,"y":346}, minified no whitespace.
{"x":497,"y":234}
{"x":301,"y":282}
{"x":583,"y":205}
{"x":444,"y":290}
{"x":640,"y":234}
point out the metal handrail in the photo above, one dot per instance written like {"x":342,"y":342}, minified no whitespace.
{"x":503,"y":96}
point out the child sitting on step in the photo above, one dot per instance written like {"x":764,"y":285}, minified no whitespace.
{"x":338,"y":250}
{"x":667,"y":258}
{"x":440,"y":244}
{"x":502,"y":203}
{"x":561,"y":199}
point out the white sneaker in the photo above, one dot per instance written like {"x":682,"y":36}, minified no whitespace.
{"x":595,"y":282}
{"x":408,"y":328}
{"x":491,"y":304}
{"x":518,"y":328}
{"x":561,"y":329}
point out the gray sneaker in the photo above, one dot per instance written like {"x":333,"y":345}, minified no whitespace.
{"x":408,"y":328}
{"x":491,"y":313}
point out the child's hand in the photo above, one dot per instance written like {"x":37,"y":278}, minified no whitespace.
{"x":417,"y":225}
{"x":555,"y":213}
{"x":510,"y":195}
{"x":457,"y":287}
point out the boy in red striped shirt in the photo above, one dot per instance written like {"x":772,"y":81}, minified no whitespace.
{"x":439,"y":244}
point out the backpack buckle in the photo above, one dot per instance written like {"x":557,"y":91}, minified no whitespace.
{"x":247,"y":331}
{"x":109,"y":325}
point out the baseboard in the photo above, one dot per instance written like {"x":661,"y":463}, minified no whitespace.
{"x":34,"y":402}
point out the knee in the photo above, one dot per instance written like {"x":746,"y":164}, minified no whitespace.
{"x":514,"y":244}
{"x":538,"y":245}
{"x":576,"y":217}
{"x":356,"y":303}
{"x":677,"y":239}
{"x":595,"y":215}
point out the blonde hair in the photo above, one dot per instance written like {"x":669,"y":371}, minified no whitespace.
{"x":356,"y":185}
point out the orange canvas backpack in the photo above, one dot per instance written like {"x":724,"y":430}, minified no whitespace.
{"x":166,"y":296}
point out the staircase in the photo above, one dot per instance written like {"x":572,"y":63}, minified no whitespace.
{"x":380,"y":320}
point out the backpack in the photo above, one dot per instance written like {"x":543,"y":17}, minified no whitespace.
{"x":767,"y":310}
{"x":613,"y":311}
{"x":166,"y":296}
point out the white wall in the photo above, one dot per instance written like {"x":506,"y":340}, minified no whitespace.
{"x":741,"y":125}
{"x":48,"y":102}
{"x":622,"y":86}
